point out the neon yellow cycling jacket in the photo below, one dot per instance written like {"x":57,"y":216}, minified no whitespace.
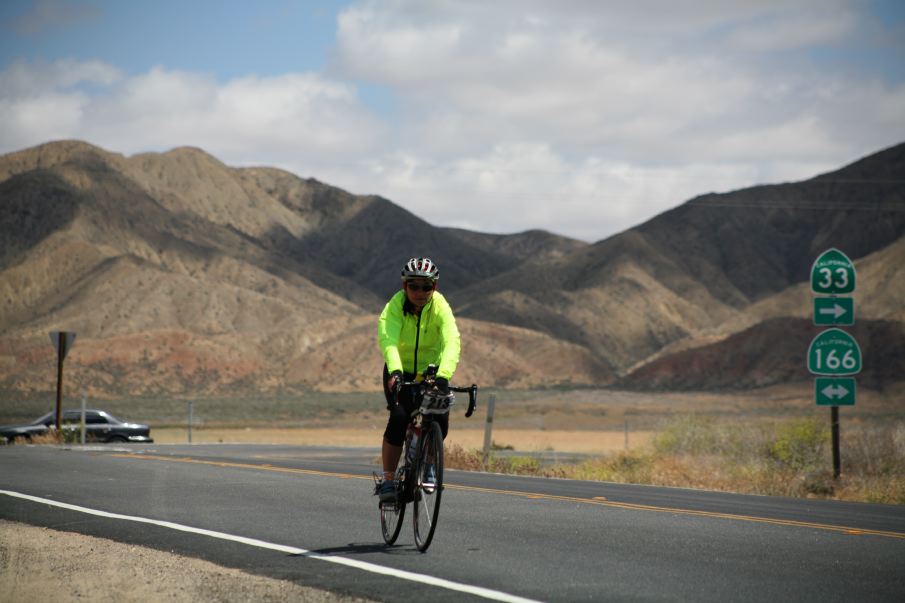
{"x":410,"y":342}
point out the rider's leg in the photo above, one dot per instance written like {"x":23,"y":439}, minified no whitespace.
{"x":390,"y":456}
{"x":394,"y":434}
{"x":393,"y":439}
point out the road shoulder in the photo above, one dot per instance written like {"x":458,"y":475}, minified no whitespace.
{"x":40,"y":564}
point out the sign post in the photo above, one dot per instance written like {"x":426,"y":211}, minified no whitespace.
{"x":834,"y":354}
{"x":62,"y":341}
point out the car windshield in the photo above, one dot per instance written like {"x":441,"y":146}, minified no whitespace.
{"x":51,"y":417}
{"x":44,"y":419}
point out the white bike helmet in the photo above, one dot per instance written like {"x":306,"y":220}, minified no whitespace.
{"x":420,"y":268}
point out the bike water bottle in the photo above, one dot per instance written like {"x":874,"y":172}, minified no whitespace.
{"x":413,"y":445}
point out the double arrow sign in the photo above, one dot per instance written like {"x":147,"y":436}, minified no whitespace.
{"x":835,"y":391}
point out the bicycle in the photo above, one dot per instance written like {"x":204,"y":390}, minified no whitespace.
{"x":419,"y":474}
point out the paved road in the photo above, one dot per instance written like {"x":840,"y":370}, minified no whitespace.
{"x":306,"y":515}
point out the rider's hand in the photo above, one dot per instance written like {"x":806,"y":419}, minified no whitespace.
{"x":394,"y":378}
{"x":442,"y":385}
{"x":391,"y":383}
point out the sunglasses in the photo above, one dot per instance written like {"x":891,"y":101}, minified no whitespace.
{"x":422,"y":288}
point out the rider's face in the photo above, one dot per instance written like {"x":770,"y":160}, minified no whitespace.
{"x":419,"y":291}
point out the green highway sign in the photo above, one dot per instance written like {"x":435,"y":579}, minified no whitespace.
{"x":832,"y":273}
{"x":831,"y":391}
{"x":834,"y":311}
{"x":834,"y":352}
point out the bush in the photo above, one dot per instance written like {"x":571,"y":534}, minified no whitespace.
{"x":799,"y":445}
{"x":788,"y":458}
{"x":690,"y":434}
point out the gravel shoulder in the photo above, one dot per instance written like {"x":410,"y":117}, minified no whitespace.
{"x":40,"y":564}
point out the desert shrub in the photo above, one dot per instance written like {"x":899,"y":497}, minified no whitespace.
{"x":874,"y":451}
{"x":799,"y":445}
{"x":786,"y":458}
{"x":699,"y":435}
{"x":50,"y":437}
{"x":519,"y":465}
{"x":457,"y":457}
{"x":689,"y":434}
{"x":623,"y":467}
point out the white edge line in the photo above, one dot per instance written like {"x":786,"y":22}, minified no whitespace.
{"x":479,"y":591}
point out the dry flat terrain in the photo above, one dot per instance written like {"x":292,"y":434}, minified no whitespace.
{"x":38,"y":564}
{"x":558,"y":440}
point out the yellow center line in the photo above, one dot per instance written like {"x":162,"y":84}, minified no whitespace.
{"x":597,"y":500}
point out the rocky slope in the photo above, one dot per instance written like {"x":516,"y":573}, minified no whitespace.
{"x":182,"y":275}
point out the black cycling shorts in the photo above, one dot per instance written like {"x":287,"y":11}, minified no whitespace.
{"x":399,"y":415}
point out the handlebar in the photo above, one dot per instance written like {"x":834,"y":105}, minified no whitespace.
{"x":472,"y":397}
{"x":472,"y":392}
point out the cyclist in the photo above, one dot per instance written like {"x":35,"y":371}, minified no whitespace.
{"x":416,"y":329}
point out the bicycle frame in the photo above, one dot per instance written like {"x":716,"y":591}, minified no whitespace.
{"x":411,"y":487}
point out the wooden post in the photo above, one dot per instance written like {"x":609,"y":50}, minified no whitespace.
{"x":61,"y":353}
{"x":488,"y":428}
{"x":834,"y":424}
{"x":82,"y":421}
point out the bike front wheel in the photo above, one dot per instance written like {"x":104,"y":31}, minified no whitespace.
{"x":428,"y":486}
{"x":392,"y":513}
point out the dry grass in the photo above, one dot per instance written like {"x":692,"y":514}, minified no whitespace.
{"x":51,"y":437}
{"x":770,"y":441}
{"x":524,"y":440}
{"x":784,"y":458}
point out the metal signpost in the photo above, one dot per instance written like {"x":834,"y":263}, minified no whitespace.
{"x":834,"y":354}
{"x":62,"y":341}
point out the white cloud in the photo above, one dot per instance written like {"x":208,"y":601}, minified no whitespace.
{"x":581,"y":117}
{"x":471,"y":79}
{"x":521,"y":186}
{"x":516,"y":110}
{"x":245,"y":120}
{"x":21,"y":79}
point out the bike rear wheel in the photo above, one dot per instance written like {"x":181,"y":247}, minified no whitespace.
{"x":392,"y":513}
{"x":428,"y":492}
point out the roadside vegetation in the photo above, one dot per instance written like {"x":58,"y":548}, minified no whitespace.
{"x":757,"y":443}
{"x":791,"y":457}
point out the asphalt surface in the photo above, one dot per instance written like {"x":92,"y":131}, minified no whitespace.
{"x":314,"y":521}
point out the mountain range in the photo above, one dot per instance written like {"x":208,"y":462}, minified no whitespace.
{"x":184,"y":276}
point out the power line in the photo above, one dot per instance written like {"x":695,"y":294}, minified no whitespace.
{"x":813,"y":206}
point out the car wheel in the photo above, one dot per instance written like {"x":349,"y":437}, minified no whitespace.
{"x":117,"y":439}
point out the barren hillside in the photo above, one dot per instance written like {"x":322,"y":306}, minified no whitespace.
{"x":182,"y":275}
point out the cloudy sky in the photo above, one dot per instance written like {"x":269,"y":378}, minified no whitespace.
{"x":582,"y":117}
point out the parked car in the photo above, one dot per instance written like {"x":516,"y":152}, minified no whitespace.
{"x":100,"y":426}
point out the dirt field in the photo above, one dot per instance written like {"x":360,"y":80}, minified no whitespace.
{"x":38,"y":564}
{"x":520,"y":440}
